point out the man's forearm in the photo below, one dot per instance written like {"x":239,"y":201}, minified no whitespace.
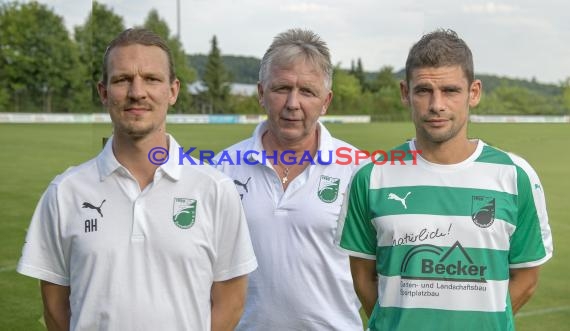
{"x":228,"y":300}
{"x":56,"y":306}
{"x":522,"y":285}
{"x":225,"y":317}
{"x":368,"y":294}
{"x":59,"y":322}
{"x":365,"y":282}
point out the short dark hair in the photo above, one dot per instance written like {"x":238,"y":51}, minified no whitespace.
{"x":440,"y":48}
{"x":142,"y":37}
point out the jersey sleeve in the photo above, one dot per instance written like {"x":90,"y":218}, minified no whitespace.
{"x":43,"y":256}
{"x":355,"y":232}
{"x":531,"y":243}
{"x":234,"y":251}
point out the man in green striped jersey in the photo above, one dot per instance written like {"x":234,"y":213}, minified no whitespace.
{"x":455,"y":241}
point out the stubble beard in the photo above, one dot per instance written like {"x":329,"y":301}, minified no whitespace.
{"x":134,"y":130}
{"x":439,"y":137}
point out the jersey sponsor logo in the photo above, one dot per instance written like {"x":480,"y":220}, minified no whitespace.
{"x":184,"y":212}
{"x":394,"y":196}
{"x":483,"y":211}
{"x":90,"y":206}
{"x":242,"y":185}
{"x":328,"y":188}
{"x":429,"y":262}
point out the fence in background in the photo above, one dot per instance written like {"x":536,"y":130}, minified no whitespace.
{"x":171,"y":118}
{"x":519,"y":119}
{"x":249,"y":119}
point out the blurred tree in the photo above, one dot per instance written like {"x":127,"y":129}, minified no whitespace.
{"x":358,"y":72}
{"x":387,"y":103}
{"x":217,"y":80}
{"x":386,"y":79}
{"x":516,"y":100}
{"x":39,"y":62}
{"x":346,"y":93}
{"x":184,"y":72}
{"x":245,"y":105}
{"x":4,"y":98}
{"x":566,"y":95}
{"x":101,"y":26}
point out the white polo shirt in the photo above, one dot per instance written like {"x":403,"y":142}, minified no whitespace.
{"x":303,"y":281}
{"x":138,"y":260}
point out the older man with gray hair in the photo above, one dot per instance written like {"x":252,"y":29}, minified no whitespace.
{"x":292,"y":191}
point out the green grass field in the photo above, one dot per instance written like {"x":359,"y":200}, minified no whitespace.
{"x":31,"y":155}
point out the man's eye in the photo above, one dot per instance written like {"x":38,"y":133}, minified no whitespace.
{"x":308,"y":92}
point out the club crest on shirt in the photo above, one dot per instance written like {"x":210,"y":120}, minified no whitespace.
{"x":184,"y":212}
{"x":483,"y":211}
{"x":328,"y":188}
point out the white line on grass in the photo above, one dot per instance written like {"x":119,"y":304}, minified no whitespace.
{"x":543,"y":311}
{"x":8,"y":268}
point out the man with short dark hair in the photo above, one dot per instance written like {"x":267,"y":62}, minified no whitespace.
{"x":454,"y":241}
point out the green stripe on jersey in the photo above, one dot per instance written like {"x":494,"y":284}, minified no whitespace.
{"x":439,"y":200}
{"x":358,"y":233}
{"x":491,"y":154}
{"x":398,"y":319}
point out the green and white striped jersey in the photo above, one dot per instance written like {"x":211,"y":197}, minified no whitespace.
{"x":445,"y":236}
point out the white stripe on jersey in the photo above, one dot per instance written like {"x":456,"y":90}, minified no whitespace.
{"x":481,"y":176}
{"x":441,"y":231}
{"x":393,"y":294}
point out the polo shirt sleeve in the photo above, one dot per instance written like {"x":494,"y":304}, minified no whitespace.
{"x":355,"y":232}
{"x":531,"y":243}
{"x":234,"y":251}
{"x":43,"y":256}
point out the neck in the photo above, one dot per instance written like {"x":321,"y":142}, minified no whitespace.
{"x":287,"y":172}
{"x":449,"y":152}
{"x":273,"y":143}
{"x":132,"y":153}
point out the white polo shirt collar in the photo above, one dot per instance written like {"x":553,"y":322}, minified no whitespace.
{"x":107,"y":163}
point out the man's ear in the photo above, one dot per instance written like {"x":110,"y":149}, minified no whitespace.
{"x":102,"y":90}
{"x":174,"y":90}
{"x":475,"y":91}
{"x":260,"y":93}
{"x":404,"y":93}
{"x":327,"y":103}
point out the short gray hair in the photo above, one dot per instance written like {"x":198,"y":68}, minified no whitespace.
{"x":293,"y":44}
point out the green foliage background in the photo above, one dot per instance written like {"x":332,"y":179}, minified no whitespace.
{"x":44,"y":69}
